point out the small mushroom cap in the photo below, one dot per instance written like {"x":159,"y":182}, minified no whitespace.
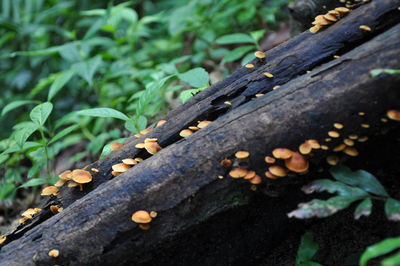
{"x":66,"y":175}
{"x":365,"y":125}
{"x":353,"y":136}
{"x":339,"y":147}
{"x":269,"y":159}
{"x":259,"y":54}
{"x":145,"y":131}
{"x":120,"y":167}
{"x":334,"y":12}
{"x":297,"y":163}
{"x":249,"y":66}
{"x":115,"y":173}
{"x":142,"y":217}
{"x":226,"y":163}
{"x":185,"y":133}
{"x":321,"y":20}
{"x":28,"y":213}
{"x":363,"y":139}
{"x":338,"y":125}
{"x":256,"y":180}
{"x":238,"y":173}
{"x":393,"y":115}
{"x":332,"y":160}
{"x":160,"y":123}
{"x":138,"y":135}
{"x":314,"y":143}
{"x":351,"y":151}
{"x":95,"y":170}
{"x":193,"y":128}
{"x":60,"y":182}
{"x":258,"y":95}
{"x":324,"y":147}
{"x":268,"y":75}
{"x":333,"y":134}
{"x":349,"y":142}
{"x":305,"y":148}
{"x":2,"y":239}
{"x":276,"y":87}
{"x":242,"y":154}
{"x":365,"y":28}
{"x":23,"y":220}
{"x":330,"y":17}
{"x":342,"y":10}
{"x":116,"y":146}
{"x":269,"y":175}
{"x":250,"y":175}
{"x":138,"y":159}
{"x":73,"y":184}
{"x":129,"y":161}
{"x":139,"y":146}
{"x":282,"y":153}
{"x":150,"y":140}
{"x":55,"y":209}
{"x":152,"y":147}
{"x":81,"y":176}
{"x":203,"y":124}
{"x":315,"y":29}
{"x":54,"y":253}
{"x":277,"y":170}
{"x":153,"y":214}
{"x":51,"y":190}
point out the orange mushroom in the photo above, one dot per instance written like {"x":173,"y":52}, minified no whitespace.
{"x":297,"y":163}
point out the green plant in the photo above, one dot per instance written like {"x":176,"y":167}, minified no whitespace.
{"x":350,"y":187}
{"x":382,"y":248}
{"x":307,"y":250}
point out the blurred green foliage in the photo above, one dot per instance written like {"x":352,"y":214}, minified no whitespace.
{"x":69,"y":68}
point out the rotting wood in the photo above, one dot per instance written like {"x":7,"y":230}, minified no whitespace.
{"x":181,"y":182}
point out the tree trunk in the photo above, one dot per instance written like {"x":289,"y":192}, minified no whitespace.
{"x":181,"y":182}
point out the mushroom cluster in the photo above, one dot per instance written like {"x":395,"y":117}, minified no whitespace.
{"x":190,"y":130}
{"x":126,"y":164}
{"x":293,"y":161}
{"x":329,"y":18}
{"x":28,"y":214}
{"x":150,"y":145}
{"x":75,"y":178}
{"x":143,"y":218}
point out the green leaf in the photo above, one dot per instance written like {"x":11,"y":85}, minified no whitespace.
{"x":88,"y":68}
{"x":103,"y":112}
{"x":360,"y":178}
{"x":379,"y":249}
{"x":24,"y":133}
{"x":6,"y":191}
{"x":235,"y":38}
{"x":63,"y":133}
{"x":257,"y":35}
{"x":392,"y":261}
{"x":392,"y":209}
{"x":237,"y":53}
{"x":247,"y":58}
{"x":34,"y":182}
{"x":196,"y":77}
{"x":307,"y":250}
{"x":321,"y":208}
{"x":61,"y":79}
{"x":13,"y":105}
{"x":142,"y":122}
{"x":330,"y":186}
{"x":40,"y":113}
{"x":363,"y":209}
{"x":27,"y":145}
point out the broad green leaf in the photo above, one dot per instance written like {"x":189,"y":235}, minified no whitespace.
{"x":106,"y":149}
{"x":63,"y":133}
{"x":392,"y":260}
{"x":257,"y":35}
{"x":307,"y":250}
{"x":43,"y":83}
{"x":103,"y":112}
{"x":321,"y":208}
{"x":88,"y":68}
{"x":24,"y":133}
{"x":130,"y":125}
{"x":363,"y":209}
{"x":142,"y":122}
{"x":360,"y":178}
{"x":237,"y":53}
{"x":34,"y":182}
{"x":70,"y":52}
{"x":27,"y":145}
{"x":247,"y":58}
{"x":379,"y":249}
{"x":196,"y":77}
{"x":6,"y":190}
{"x":13,"y":105}
{"x":40,"y":113}
{"x":330,"y":186}
{"x":392,"y":209}
{"x":235,"y":38}
{"x":59,"y":82}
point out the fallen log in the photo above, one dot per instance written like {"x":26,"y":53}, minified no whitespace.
{"x":182,"y":182}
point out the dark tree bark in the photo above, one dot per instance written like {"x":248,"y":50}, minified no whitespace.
{"x":181,"y":181}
